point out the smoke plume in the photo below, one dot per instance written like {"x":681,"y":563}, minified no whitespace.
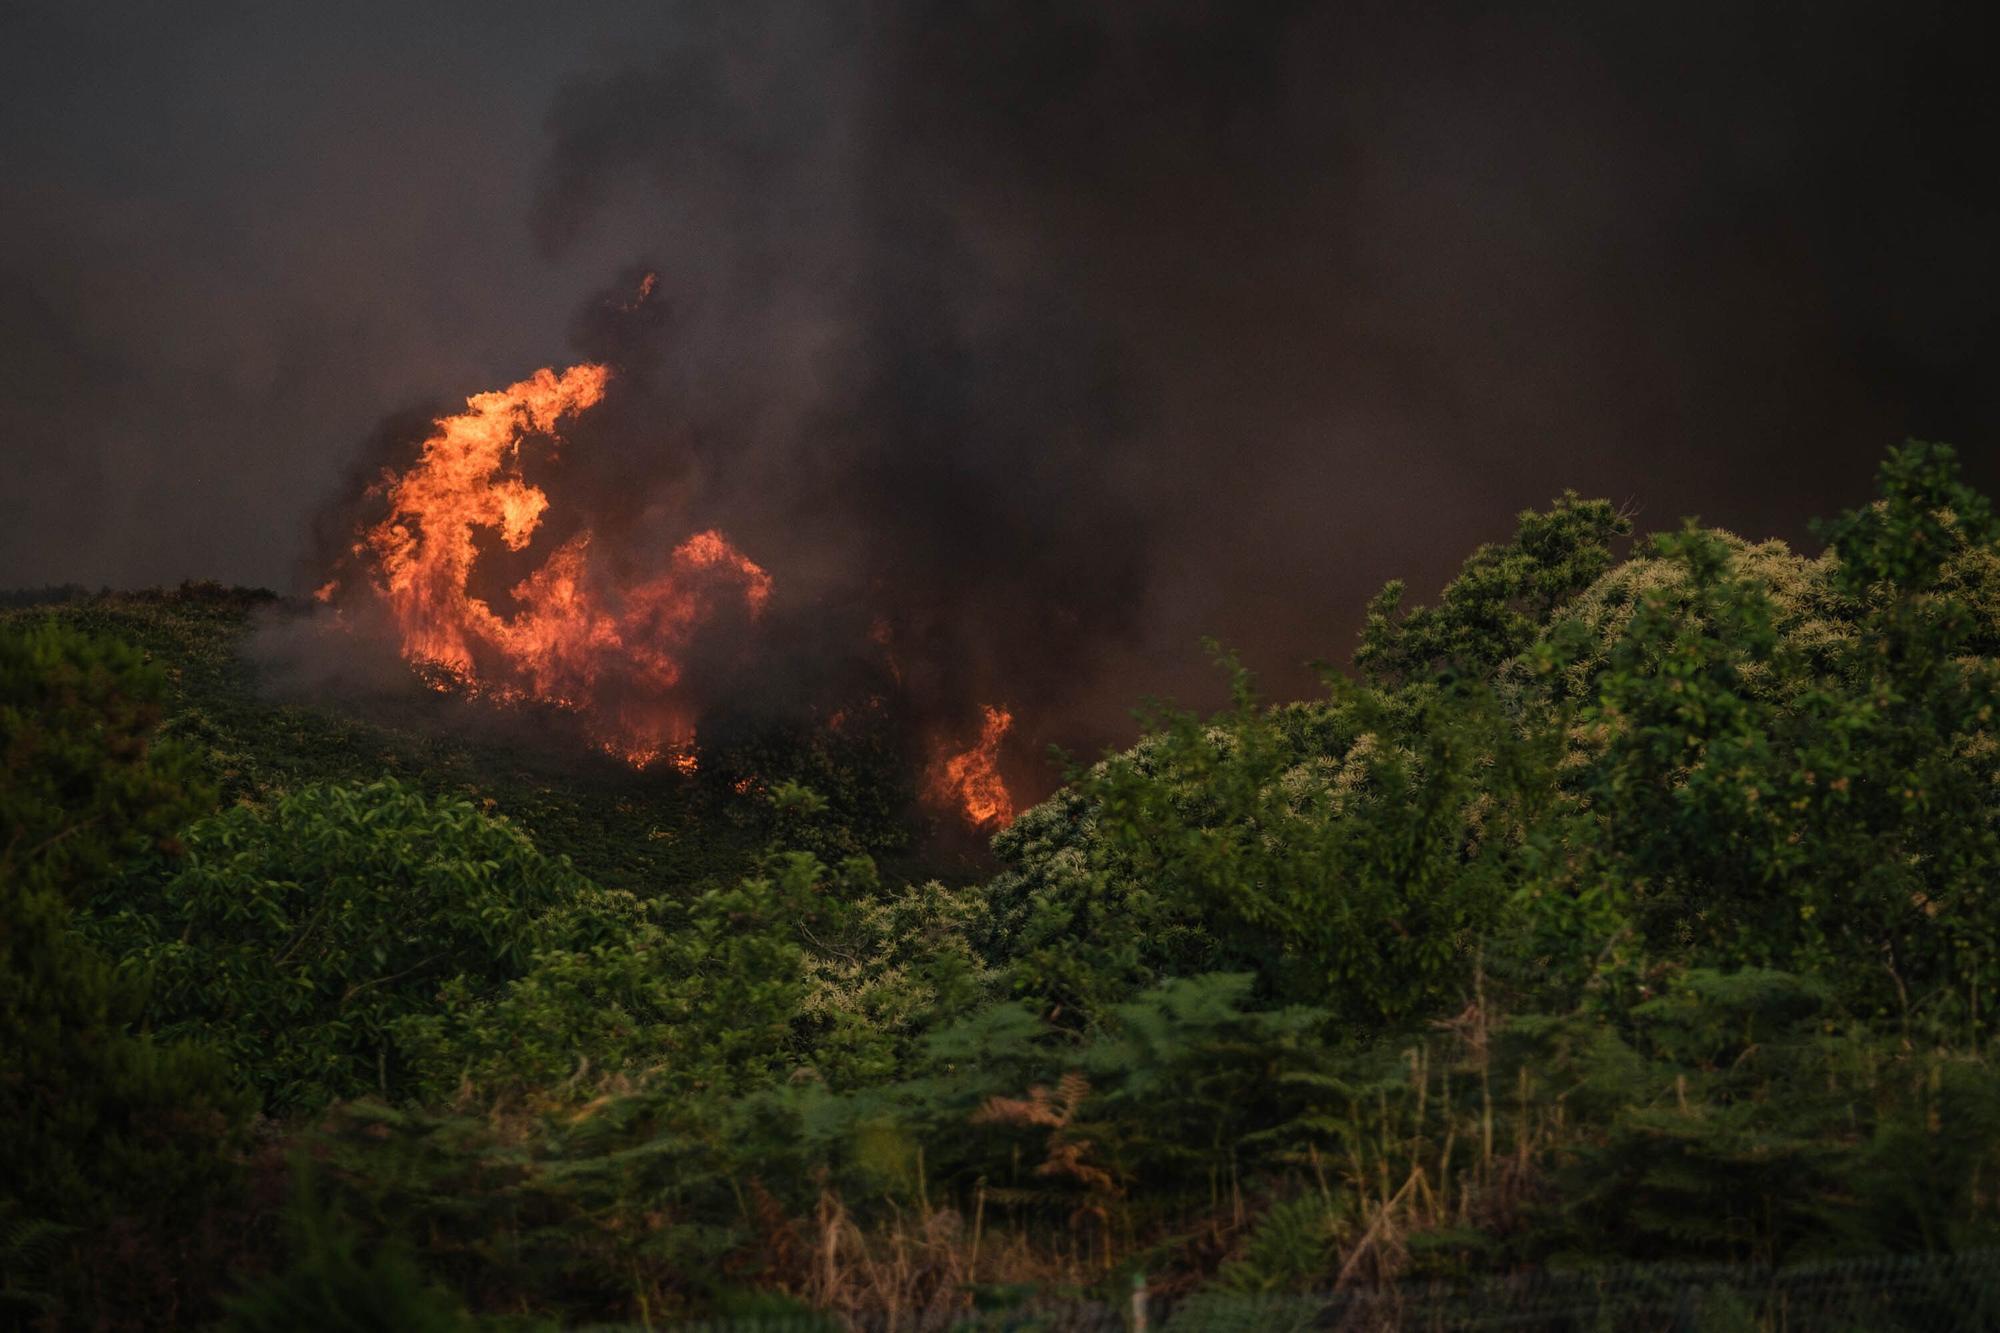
{"x":1025,"y":343}
{"x":1064,"y":333}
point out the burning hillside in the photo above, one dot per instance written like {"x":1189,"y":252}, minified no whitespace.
{"x":495,"y":591}
{"x":572,"y":634}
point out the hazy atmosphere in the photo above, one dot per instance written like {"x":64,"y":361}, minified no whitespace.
{"x":1127,"y":324}
{"x":957,"y":666}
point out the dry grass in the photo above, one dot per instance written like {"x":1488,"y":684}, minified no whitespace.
{"x":1417,"y":1163}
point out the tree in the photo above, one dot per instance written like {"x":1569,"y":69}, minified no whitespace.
{"x":296,"y":936}
{"x":1500,"y":600}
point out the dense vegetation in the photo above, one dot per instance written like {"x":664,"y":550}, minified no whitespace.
{"x":1615,"y":909}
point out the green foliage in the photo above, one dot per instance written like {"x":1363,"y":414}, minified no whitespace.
{"x":257,"y":734}
{"x":704,"y":999}
{"x":597,"y":1213}
{"x":296,"y":936}
{"x":85,"y":788}
{"x":30,"y":1248}
{"x":1197,"y":1047}
{"x":1717,"y":794}
{"x":1737,"y":1122}
{"x":802,"y":967}
{"x":90,"y":1107}
{"x":1500,"y":601}
{"x":1290,"y":1249}
{"x":1757,"y":802}
{"x":103,"y":1125}
{"x":1352,"y":856}
{"x":1927,"y":518}
{"x":893,"y":969}
{"x":1621,"y":910}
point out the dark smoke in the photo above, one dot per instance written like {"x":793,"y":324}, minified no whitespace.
{"x":1067,"y":332}
{"x":1063,"y":334}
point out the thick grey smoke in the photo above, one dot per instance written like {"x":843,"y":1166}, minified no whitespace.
{"x":1068,"y":332}
{"x":1061,"y":333}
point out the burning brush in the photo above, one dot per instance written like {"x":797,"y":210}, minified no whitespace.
{"x":609,"y":649}
{"x":970,"y":781}
{"x":611,"y":645}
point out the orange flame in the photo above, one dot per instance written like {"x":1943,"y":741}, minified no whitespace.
{"x":971,"y":781}
{"x":646,"y":285}
{"x":610,"y":650}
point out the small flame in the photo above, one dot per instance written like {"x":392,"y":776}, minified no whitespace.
{"x":607,"y":648}
{"x":971,"y":782}
{"x":646,"y":285}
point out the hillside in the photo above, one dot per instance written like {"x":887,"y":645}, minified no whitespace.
{"x":1627,"y":905}
{"x":258,"y":735}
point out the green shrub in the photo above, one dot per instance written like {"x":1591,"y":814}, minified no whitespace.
{"x":1829,"y":807}
{"x":296,"y":936}
{"x":104,"y":1127}
{"x":799,"y":968}
{"x":1621,"y":910}
{"x":705,"y":998}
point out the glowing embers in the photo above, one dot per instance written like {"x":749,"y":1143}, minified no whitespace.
{"x":609,"y":645}
{"x":970,"y":781}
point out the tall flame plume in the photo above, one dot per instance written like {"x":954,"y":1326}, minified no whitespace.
{"x":612,"y":649}
{"x":591,"y":635}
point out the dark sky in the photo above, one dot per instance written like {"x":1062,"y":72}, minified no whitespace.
{"x":1174,"y":319}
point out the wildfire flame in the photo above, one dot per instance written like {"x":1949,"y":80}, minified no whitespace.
{"x":971,"y":781}
{"x":646,"y":285}
{"x":611,"y":649}
{"x":593,"y":636}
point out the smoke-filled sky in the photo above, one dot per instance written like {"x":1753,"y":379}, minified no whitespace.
{"x":1085,"y":328}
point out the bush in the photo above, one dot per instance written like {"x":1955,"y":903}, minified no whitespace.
{"x":104,"y":1127}
{"x":705,"y":1000}
{"x":297,"y":936}
{"x":1620,"y":910}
